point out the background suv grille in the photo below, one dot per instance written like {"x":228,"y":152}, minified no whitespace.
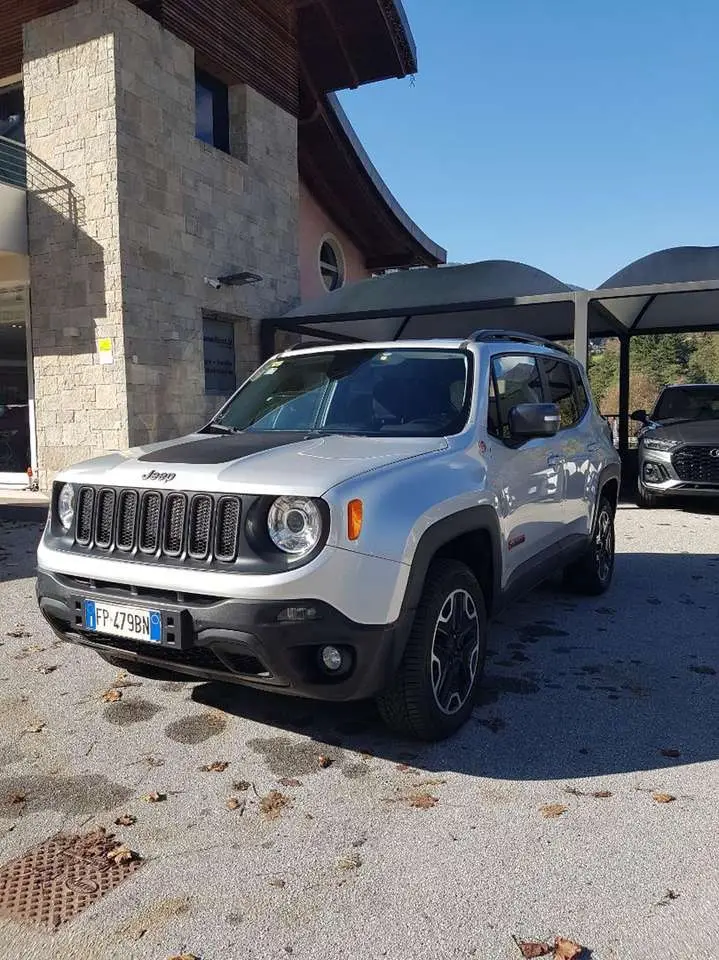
{"x":697,"y":465}
{"x":159,"y":524}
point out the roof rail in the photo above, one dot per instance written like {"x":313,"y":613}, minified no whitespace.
{"x":487,"y":336}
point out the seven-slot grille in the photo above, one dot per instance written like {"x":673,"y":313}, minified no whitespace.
{"x":697,"y":464}
{"x":153,"y":523}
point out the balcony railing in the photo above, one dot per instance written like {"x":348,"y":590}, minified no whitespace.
{"x":22,"y":169}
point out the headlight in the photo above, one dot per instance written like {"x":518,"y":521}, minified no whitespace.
{"x":653,"y":444}
{"x":294,"y":525}
{"x":66,"y":506}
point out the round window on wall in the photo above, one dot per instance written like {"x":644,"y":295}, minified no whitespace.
{"x":332,"y":268}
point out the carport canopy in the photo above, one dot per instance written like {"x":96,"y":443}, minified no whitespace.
{"x":670,"y":291}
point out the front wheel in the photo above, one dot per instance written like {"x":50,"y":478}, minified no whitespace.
{"x":645,"y":499}
{"x":432,"y":695}
{"x":592,"y":573}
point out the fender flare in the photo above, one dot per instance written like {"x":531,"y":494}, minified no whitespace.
{"x":438,"y":535}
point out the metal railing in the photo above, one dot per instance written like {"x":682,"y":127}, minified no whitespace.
{"x":22,"y":169}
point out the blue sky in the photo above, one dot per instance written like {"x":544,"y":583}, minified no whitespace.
{"x":574,"y":136}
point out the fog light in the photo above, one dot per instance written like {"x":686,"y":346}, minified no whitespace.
{"x":653,"y":473}
{"x":332,"y":659}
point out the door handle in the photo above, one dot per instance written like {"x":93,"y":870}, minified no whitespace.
{"x":554,"y":460}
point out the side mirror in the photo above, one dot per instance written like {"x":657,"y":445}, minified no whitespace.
{"x":528,"y":420}
{"x":640,"y":416}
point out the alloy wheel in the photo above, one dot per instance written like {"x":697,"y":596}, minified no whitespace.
{"x":604,"y":545}
{"x":455,"y":652}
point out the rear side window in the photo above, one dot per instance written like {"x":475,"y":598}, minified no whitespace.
{"x":515,"y":380}
{"x":562,"y":390}
{"x":580,"y":392}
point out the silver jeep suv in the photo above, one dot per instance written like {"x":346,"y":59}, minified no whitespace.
{"x":345,"y":525}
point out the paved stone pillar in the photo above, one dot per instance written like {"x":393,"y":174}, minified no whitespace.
{"x":74,"y":237}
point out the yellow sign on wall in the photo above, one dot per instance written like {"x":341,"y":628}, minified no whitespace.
{"x":104,"y":349}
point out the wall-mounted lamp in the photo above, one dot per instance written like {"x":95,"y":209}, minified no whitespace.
{"x":233,"y":280}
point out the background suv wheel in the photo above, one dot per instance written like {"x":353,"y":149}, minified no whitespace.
{"x":646,"y":499}
{"x":434,"y":689}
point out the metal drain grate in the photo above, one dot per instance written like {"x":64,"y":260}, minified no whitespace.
{"x":60,"y":878}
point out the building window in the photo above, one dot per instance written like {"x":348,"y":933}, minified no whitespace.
{"x":212,"y":115}
{"x":12,"y":114}
{"x":219,"y":348}
{"x":332,"y":266}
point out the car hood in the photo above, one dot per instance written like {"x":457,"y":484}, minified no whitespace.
{"x":260,"y":463}
{"x":688,"y":431}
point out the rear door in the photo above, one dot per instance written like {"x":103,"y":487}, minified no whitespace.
{"x":528,"y":476}
{"x":575,"y":441}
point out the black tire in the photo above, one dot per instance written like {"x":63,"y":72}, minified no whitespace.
{"x":645,"y":499}
{"x":592,"y":573}
{"x":409,"y":705}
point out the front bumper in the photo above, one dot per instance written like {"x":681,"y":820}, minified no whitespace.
{"x":659,"y":477}
{"x":240,"y":641}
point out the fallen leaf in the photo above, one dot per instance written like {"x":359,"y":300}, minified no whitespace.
{"x":234,"y":803}
{"x":663,"y":797}
{"x":403,"y":767}
{"x":668,"y":896}
{"x":533,"y":948}
{"x":324,"y":761}
{"x":184,"y":956}
{"x":122,"y":854}
{"x":272,"y":804}
{"x":602,"y":794}
{"x":432,"y":782}
{"x":670,"y":752}
{"x":126,"y":820}
{"x":16,"y":798}
{"x":49,"y":669}
{"x":277,"y":882}
{"x":349,"y":861}
{"x":422,"y":800}
{"x":154,"y":797}
{"x":573,"y":791}
{"x":112,"y":695}
{"x":35,"y":728}
{"x":241,"y":785}
{"x":217,"y":766}
{"x":551,"y":811}
{"x":289,"y":782}
{"x":121,"y":680}
{"x":567,"y":949}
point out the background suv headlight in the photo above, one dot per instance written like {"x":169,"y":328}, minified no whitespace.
{"x":66,"y":506}
{"x":294,"y":525}
{"x":651,"y":443}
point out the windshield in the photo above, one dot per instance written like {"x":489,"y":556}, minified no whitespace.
{"x":688,"y":403}
{"x":402,"y":392}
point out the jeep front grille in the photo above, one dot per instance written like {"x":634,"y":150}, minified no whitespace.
{"x":697,"y":465}
{"x":158,"y":524}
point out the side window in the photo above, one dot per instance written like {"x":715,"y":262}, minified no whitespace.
{"x":516,"y":380}
{"x":562,"y":390}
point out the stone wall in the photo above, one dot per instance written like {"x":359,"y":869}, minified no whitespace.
{"x":189,"y":211}
{"x":120,"y":248}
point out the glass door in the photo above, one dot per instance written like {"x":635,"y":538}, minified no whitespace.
{"x":16,"y":411}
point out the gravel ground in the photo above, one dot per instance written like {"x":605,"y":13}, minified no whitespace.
{"x":581,"y":695}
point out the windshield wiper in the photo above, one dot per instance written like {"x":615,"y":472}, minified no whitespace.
{"x":219,"y":428}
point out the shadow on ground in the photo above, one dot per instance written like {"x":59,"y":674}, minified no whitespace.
{"x":574,"y":687}
{"x":20,"y":531}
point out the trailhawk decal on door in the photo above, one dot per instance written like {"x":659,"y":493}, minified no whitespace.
{"x":516,"y":541}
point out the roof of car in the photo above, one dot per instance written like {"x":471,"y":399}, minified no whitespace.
{"x":433,"y":344}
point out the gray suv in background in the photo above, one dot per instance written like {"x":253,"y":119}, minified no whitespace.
{"x":679,"y":444}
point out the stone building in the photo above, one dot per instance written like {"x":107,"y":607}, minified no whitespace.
{"x":171,"y":172}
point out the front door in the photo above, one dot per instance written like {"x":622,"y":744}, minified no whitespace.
{"x":15,"y":411}
{"x":529,"y":476}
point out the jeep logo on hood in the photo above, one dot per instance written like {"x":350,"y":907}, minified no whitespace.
{"x":159,"y":477}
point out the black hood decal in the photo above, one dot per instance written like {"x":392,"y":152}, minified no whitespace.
{"x":222,"y":448}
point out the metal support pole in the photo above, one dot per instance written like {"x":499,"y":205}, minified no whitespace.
{"x":581,"y":328}
{"x":267,"y":340}
{"x":624,"y":344}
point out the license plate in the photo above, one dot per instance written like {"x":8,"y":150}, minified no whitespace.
{"x":128,"y":622}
